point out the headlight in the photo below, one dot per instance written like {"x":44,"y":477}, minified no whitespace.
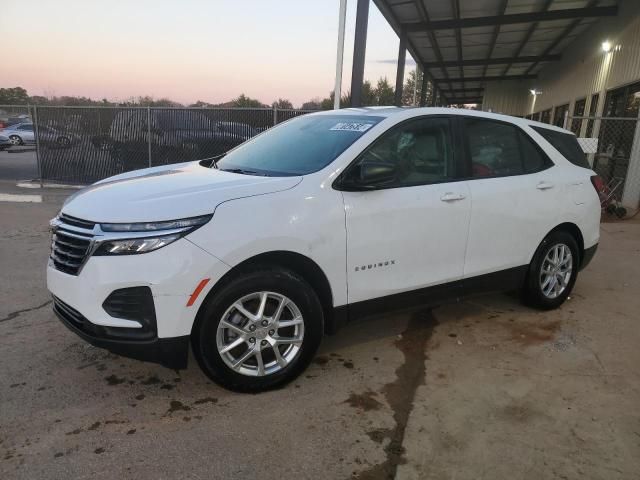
{"x":134,"y":238}
{"x":189,"y":223}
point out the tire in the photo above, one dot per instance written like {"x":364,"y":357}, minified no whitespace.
{"x":16,"y":140}
{"x":211,"y":336}
{"x":544,"y":294}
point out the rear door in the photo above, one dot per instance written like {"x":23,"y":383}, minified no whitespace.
{"x":515,"y":198}
{"x":410,"y":233}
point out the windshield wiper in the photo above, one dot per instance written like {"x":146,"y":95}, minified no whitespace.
{"x":214,"y":160}
{"x":244,"y":171}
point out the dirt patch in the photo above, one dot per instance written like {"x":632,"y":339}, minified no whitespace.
{"x":528,"y":334}
{"x":321,"y":360}
{"x":206,"y":400}
{"x":114,"y":380}
{"x":364,"y":401}
{"x":176,"y":405}
{"x":401,"y":392}
{"x":152,"y":380}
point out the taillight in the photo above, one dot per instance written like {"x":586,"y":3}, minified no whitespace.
{"x":598,"y":184}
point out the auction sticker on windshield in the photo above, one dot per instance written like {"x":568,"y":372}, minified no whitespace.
{"x":352,"y":127}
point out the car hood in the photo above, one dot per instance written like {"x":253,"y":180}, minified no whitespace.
{"x":167,"y":193}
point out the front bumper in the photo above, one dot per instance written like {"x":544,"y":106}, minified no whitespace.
{"x":171,"y":274}
{"x":169,"y":352}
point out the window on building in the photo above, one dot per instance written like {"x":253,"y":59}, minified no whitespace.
{"x":593,"y":109}
{"x":578,"y":111}
{"x":559,"y":113}
{"x":545,"y":116}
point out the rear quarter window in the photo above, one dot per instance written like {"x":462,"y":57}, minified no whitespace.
{"x":565,"y":143}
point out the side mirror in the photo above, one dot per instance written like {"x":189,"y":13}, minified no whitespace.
{"x":370,"y":176}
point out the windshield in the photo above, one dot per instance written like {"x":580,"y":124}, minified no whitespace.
{"x":298,"y":147}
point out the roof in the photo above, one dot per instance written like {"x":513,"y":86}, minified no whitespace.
{"x":415,"y":111}
{"x":462,"y":44}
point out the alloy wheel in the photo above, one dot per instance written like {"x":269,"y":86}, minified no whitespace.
{"x":260,"y":334}
{"x":556,"y":270}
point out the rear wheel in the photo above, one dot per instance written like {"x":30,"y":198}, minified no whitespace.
{"x":258,"y":332}
{"x":553,"y":271}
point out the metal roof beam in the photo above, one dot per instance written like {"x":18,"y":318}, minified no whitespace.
{"x":485,"y":79}
{"x":569,"y":13}
{"x":464,"y":100}
{"x":496,"y":61}
{"x":462,"y":90}
{"x":560,"y":37}
{"x":422,"y":11}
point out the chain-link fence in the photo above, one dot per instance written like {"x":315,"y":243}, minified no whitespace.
{"x":81,"y":145}
{"x":612,"y":146}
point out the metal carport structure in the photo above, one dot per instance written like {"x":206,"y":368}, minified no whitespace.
{"x":461,"y":45}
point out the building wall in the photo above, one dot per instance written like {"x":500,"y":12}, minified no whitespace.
{"x":584,"y":69}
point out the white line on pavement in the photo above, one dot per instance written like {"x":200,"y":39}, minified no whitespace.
{"x":8,"y":197}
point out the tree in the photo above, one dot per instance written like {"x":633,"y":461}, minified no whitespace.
{"x":13,"y":96}
{"x":409,"y":85}
{"x":201,"y":104}
{"x":313,"y":104}
{"x":246,"y":102}
{"x":384,"y":92}
{"x":282,"y":104}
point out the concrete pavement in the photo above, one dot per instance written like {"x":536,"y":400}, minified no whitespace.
{"x":486,"y":389}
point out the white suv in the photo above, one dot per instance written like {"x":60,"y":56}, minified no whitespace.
{"x":251,"y":257}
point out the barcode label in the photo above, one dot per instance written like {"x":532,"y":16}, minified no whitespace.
{"x":352,"y":127}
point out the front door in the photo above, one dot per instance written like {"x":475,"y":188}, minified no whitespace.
{"x":409,"y":232}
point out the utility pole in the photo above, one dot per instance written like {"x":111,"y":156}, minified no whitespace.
{"x":337,"y":90}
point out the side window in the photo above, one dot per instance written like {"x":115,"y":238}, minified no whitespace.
{"x":418,"y":152}
{"x":534,"y":160}
{"x":494,"y":148}
{"x":26,"y":128}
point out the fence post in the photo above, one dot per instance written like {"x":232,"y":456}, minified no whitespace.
{"x":149,"y":133}
{"x":275,"y":116}
{"x":37,"y":134}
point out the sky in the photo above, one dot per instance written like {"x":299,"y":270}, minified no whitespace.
{"x":186,"y":50}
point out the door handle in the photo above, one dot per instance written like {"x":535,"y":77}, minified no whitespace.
{"x":544,"y":185}
{"x":452,"y":197}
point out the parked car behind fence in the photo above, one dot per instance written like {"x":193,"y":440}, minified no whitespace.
{"x":104,"y":141}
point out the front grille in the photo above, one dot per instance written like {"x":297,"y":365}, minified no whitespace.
{"x":77,"y":222}
{"x":71,"y":243}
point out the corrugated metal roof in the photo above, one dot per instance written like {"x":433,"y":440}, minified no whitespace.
{"x":477,"y":30}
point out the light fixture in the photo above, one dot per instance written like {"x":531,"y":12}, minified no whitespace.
{"x":606,"y":46}
{"x":535,"y":92}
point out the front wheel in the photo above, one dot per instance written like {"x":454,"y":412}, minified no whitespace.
{"x":258,"y":332}
{"x":15,"y":140}
{"x":553,"y":271}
